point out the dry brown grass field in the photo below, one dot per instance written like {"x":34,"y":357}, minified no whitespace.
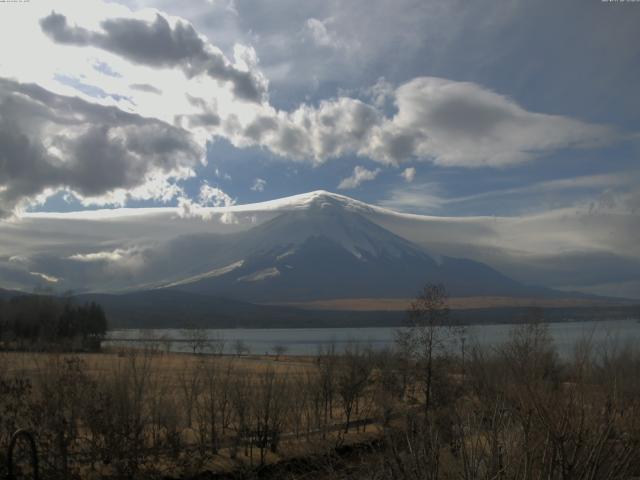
{"x":175,"y":412}
{"x":170,"y":365}
{"x":402,"y":304}
{"x":515,"y":412}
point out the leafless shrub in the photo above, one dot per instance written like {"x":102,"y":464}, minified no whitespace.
{"x":352,"y":380}
{"x":517,"y":411}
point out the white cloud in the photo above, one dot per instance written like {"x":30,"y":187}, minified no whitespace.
{"x":359,"y":176}
{"x":208,"y":197}
{"x":220,"y":174}
{"x":104,"y":256}
{"x":445,"y":122}
{"x":380,"y":92}
{"x":88,"y":110}
{"x":258,"y":185}
{"x":614,"y":193}
{"x":214,"y":197}
{"x":332,"y":129}
{"x":187,"y":208}
{"x":462,"y":124}
{"x":100,"y":154}
{"x":45,"y":277}
{"x":425,"y":197}
{"x":113,"y":262}
{"x":321,"y":35}
{"x":159,"y":44}
{"x":409,"y":174}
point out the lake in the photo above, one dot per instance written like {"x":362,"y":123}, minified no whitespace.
{"x":306,"y":341}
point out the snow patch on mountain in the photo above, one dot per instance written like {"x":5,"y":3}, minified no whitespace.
{"x":285,"y":254}
{"x":210,"y":274}
{"x":260,"y":275}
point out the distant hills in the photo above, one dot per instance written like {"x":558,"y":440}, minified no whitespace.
{"x":176,"y":309}
{"x":7,"y":294}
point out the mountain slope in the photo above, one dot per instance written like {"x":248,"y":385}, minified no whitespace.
{"x":328,"y":249}
{"x":7,"y":294}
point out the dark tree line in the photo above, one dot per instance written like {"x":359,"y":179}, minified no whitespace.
{"x":41,"y":319}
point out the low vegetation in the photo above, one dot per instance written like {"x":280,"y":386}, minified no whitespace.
{"x":435,"y":407}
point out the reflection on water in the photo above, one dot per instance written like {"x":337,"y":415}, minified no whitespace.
{"x":305,"y":341}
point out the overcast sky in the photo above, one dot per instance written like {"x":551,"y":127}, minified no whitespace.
{"x":450,"y":108}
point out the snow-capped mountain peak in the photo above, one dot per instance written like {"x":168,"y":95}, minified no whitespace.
{"x":334,"y":218}
{"x":317,"y":199}
{"x":322,"y":245}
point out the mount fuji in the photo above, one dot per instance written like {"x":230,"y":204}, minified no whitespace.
{"x":322,"y":246}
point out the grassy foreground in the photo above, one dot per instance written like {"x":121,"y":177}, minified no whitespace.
{"x":515,"y":411}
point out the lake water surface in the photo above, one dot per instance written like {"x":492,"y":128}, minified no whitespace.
{"x":307,"y":341}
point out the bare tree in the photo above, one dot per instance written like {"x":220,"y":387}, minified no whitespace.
{"x":240,"y":347}
{"x":240,"y":403}
{"x":217,"y":344}
{"x":207,"y":405}
{"x":190,"y":383}
{"x":326,"y":379}
{"x":424,"y":339}
{"x":353,"y":378}
{"x":197,"y":339}
{"x":166,"y":342}
{"x":390,"y":384}
{"x":279,"y":350}
{"x":269,"y":402}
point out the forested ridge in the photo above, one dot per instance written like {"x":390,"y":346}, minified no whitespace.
{"x":28,"y":321}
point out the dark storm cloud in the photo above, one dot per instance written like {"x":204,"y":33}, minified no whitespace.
{"x":23,"y":167}
{"x":397,"y":146}
{"x":55,"y":25}
{"x":158,"y":44}
{"x":145,"y":87}
{"x":261,"y":125}
{"x":204,"y":120}
{"x":155,"y":44}
{"x":470,"y":117}
{"x":291,"y":141}
{"x":208,"y":117}
{"x":333,"y":128}
{"x":50,"y":142}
